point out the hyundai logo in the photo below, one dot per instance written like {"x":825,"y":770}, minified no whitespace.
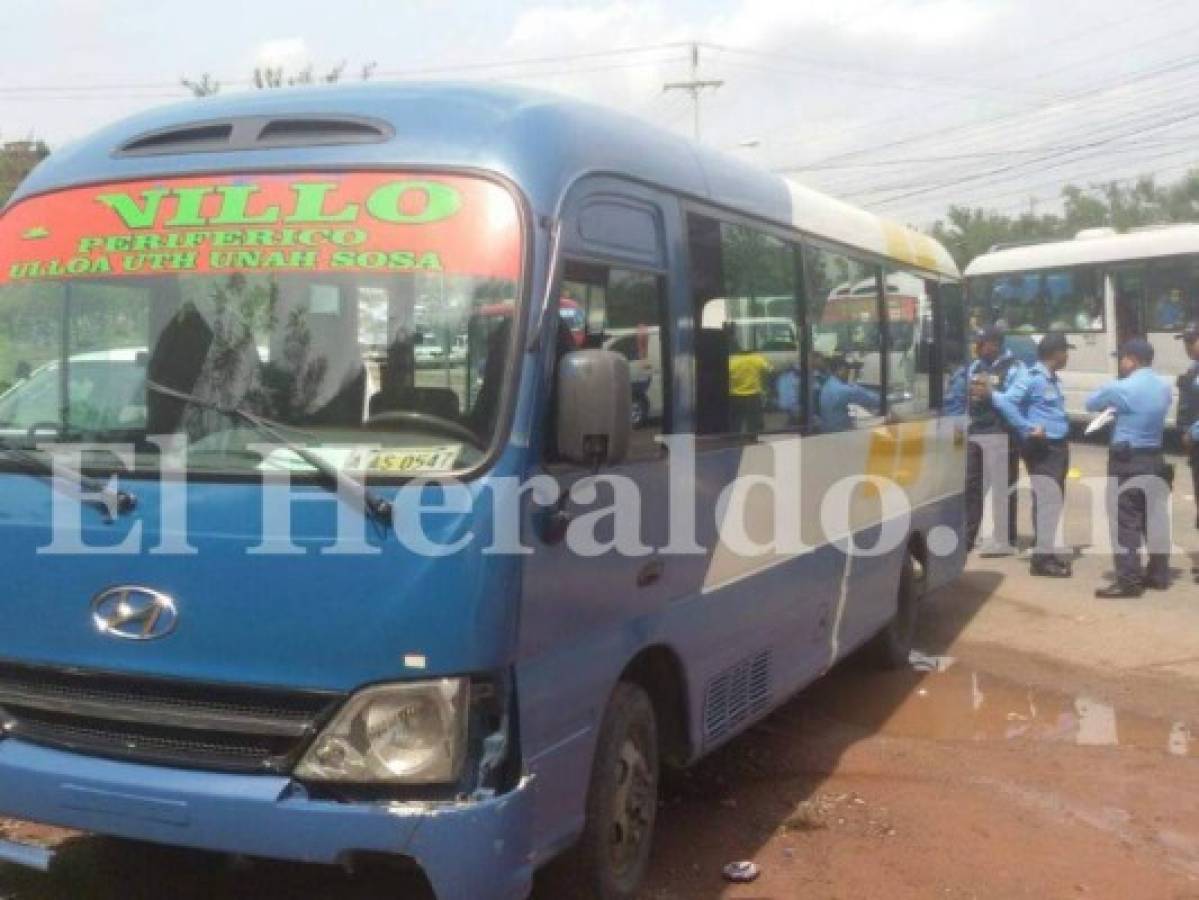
{"x":134,"y":613}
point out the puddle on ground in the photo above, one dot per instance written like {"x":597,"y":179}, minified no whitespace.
{"x":942,"y":699}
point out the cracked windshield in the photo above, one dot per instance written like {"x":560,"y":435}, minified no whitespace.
{"x":368,"y":317}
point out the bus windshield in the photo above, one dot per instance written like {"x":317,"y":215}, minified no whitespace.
{"x":338,"y":307}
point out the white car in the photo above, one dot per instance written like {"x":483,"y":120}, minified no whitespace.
{"x":106,"y":390}
{"x":642,"y":347}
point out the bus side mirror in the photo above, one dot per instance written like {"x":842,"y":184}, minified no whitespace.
{"x":594,"y":407}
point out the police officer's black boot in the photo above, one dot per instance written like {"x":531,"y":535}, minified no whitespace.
{"x":1158,"y":576}
{"x":1050,"y":567}
{"x":1120,"y":590}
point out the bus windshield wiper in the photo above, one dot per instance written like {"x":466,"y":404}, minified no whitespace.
{"x":330,"y":476}
{"x":113,"y":502}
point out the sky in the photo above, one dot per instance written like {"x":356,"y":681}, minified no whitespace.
{"x":901,"y":106}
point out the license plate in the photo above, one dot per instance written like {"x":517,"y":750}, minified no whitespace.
{"x":424,"y":459}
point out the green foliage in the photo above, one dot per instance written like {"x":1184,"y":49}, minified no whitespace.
{"x":968,"y":232}
{"x":270,"y":77}
{"x":756,"y":265}
{"x":204,"y":86}
{"x":17,"y":159}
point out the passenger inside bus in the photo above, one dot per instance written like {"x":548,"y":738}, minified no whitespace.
{"x":839,"y":392}
{"x":1170,"y":312}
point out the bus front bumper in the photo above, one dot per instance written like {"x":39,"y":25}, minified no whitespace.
{"x":473,"y":850}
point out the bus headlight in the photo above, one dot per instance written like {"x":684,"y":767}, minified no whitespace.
{"x":412,"y":733}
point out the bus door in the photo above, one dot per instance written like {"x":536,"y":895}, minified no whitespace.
{"x":1128,"y":307}
{"x":588,"y":592}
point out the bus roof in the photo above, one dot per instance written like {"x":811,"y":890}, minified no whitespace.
{"x":543,"y":142}
{"x":1147,"y":243}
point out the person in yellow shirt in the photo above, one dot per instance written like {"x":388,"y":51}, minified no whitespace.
{"x":748,"y":375}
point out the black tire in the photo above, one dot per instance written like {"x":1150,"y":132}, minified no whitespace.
{"x":612,"y":855}
{"x":892,"y":647}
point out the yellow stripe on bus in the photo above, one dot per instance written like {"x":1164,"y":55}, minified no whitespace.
{"x":910,"y":246}
{"x":897,"y":453}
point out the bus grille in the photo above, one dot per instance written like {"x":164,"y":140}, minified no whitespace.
{"x":161,"y":721}
{"x":737,"y":694}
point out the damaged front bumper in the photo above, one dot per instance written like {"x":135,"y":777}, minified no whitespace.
{"x":477,"y":849}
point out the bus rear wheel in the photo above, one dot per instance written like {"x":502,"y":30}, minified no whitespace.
{"x":891,"y":648}
{"x":622,"y":800}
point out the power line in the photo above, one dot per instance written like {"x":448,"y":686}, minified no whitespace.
{"x":1036,"y":191}
{"x":1173,"y":34}
{"x":1107,"y":133}
{"x":957,"y":157}
{"x":1180,"y":64}
{"x":386,"y":73}
{"x":1193,"y":113}
{"x":884,"y":77}
{"x":1004,"y":132}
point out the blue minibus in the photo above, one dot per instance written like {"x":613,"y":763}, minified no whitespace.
{"x":287,"y":578}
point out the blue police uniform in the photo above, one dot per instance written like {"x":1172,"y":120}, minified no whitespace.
{"x":1188,"y":419}
{"x":1141,"y":402}
{"x":835,"y":398}
{"x":787,"y":393}
{"x":1036,"y":401}
{"x":985,"y":420}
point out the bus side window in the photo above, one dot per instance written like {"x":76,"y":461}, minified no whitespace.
{"x":910,"y":342}
{"x":1173,"y":294}
{"x":624,"y":310}
{"x":748,"y":378}
{"x":951,"y":359}
{"x":845,"y":363}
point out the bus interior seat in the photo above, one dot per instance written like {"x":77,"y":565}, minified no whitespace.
{"x":440,"y":402}
{"x":398,"y":391}
{"x":345,"y":407}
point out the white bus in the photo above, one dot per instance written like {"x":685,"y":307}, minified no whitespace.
{"x":1102,"y":288}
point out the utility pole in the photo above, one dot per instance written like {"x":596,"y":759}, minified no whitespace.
{"x":695,"y":86}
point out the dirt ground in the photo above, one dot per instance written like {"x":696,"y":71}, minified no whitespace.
{"x":1045,"y":746}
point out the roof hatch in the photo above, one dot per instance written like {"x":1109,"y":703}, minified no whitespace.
{"x":257,"y":133}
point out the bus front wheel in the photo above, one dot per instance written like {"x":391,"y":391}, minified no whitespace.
{"x":622,"y":799}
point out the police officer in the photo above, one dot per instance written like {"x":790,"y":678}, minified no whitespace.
{"x":1035,"y":407}
{"x":1140,"y":402}
{"x":994,"y":369}
{"x":839,"y":392}
{"x":1188,"y":407}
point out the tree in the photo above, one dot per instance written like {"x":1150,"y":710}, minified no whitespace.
{"x":968,"y":232}
{"x":270,"y":77}
{"x":17,"y":159}
{"x":204,"y":86}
